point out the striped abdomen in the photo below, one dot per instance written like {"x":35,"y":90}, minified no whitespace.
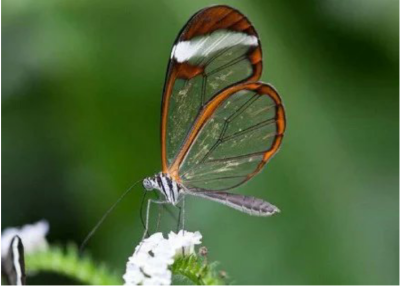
{"x":246,"y":204}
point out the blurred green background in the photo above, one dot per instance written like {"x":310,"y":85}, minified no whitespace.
{"x":81,"y":94}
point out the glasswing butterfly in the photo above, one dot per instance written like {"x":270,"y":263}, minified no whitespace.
{"x":219,"y":124}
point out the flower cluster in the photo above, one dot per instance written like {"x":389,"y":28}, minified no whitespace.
{"x":33,"y":237}
{"x":149,"y":263}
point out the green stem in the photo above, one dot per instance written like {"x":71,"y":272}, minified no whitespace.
{"x":69,"y":263}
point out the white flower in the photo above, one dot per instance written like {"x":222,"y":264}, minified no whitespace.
{"x":33,"y":237}
{"x":184,"y":242}
{"x":152,"y":257}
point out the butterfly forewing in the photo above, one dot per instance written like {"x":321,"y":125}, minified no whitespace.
{"x":217,"y":48}
{"x":236,"y":139}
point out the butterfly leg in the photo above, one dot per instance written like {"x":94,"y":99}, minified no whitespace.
{"x":181,"y":219}
{"x":149,"y":202}
{"x":160,"y":209}
{"x":178,"y":226}
{"x":183,"y":213}
{"x":181,"y":216}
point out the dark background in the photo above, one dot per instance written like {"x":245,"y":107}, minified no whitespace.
{"x":81,"y":93}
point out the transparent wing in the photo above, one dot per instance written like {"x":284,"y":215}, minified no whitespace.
{"x":233,"y":138}
{"x":217,"y":48}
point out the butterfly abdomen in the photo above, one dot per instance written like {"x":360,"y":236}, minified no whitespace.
{"x":246,"y":204}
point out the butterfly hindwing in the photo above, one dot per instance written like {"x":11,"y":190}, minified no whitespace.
{"x":234,"y":137}
{"x":216,"y":49}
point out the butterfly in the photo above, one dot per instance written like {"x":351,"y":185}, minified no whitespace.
{"x":219,"y":124}
{"x":13,"y":263}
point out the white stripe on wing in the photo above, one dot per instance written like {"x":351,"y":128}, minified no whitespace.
{"x":203,"y":46}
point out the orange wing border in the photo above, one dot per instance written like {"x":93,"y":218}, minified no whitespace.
{"x":211,"y":107}
{"x":204,"y":22}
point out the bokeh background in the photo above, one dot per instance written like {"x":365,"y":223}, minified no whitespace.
{"x":81,"y":93}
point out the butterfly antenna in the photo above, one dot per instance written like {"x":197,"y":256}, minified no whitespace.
{"x":163,"y":206}
{"x":92,"y":232}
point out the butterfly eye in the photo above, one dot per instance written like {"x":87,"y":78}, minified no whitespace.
{"x":147,"y":184}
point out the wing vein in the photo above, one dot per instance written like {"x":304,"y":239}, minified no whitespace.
{"x":227,"y":65}
{"x":249,"y":129}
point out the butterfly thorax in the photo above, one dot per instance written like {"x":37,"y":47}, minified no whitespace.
{"x":165,"y":185}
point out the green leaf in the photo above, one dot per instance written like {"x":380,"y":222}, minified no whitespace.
{"x":67,"y":262}
{"x":196,"y":270}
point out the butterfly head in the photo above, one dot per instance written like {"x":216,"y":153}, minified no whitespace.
{"x":150,"y":184}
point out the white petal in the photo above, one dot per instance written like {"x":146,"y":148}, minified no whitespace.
{"x":33,"y":237}
{"x":151,"y":259}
